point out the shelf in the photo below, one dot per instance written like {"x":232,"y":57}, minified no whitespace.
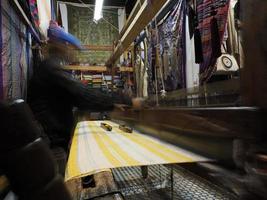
{"x":96,"y":68}
{"x":126,"y":69}
{"x":86,"y":68}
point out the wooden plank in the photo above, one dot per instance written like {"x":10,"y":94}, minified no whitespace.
{"x":131,"y":16}
{"x":231,"y":86}
{"x":146,"y":13}
{"x":206,"y":131}
{"x":104,"y":187}
{"x":86,"y":68}
{"x":104,"y":184}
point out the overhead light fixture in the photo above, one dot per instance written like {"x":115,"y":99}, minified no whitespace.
{"x":98,"y":10}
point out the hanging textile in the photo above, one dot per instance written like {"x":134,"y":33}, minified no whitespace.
{"x":34,"y":12}
{"x":192,"y":69}
{"x":167,"y":40}
{"x":44,"y":10}
{"x":64,"y":16}
{"x":140,"y":69}
{"x":103,"y":33}
{"x":212,"y":17}
{"x":14,"y":54}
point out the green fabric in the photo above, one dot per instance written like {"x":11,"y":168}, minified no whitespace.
{"x":82,"y":26}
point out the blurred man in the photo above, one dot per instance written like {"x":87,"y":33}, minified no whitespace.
{"x":53,"y":92}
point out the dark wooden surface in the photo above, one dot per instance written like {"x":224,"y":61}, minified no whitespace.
{"x":206,"y":131}
{"x":104,"y":184}
{"x":254,"y":75}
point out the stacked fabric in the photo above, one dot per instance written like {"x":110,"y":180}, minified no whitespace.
{"x":107,"y":83}
{"x":89,"y":79}
{"x":97,"y":81}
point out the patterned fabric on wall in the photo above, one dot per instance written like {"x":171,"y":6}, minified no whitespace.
{"x":14,"y":56}
{"x":81,"y":24}
{"x":204,"y":10}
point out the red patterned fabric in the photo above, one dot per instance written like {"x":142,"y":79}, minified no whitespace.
{"x":204,"y":11}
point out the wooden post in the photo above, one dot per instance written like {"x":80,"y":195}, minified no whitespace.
{"x":254,"y":75}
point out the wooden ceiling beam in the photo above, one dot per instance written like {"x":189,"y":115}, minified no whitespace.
{"x":146,"y":13}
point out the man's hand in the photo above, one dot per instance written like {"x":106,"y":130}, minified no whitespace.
{"x":138,"y":103}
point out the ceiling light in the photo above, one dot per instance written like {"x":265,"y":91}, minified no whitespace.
{"x":98,"y":9}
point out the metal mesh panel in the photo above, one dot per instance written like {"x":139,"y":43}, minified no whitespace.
{"x":158,"y":184}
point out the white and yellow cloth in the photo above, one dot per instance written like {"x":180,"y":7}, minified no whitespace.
{"x":94,"y":150}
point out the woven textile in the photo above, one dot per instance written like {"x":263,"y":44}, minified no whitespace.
{"x":13,"y":54}
{"x":103,"y":33}
{"x":204,"y":10}
{"x":94,"y":150}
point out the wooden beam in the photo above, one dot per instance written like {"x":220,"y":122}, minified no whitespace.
{"x":146,"y":13}
{"x":206,"y":131}
{"x":131,"y":16}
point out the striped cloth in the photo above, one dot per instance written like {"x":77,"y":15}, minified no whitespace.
{"x":95,"y":150}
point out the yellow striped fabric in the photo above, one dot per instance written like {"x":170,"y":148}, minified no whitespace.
{"x":95,"y":150}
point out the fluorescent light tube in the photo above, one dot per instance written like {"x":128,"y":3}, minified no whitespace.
{"x":98,"y":9}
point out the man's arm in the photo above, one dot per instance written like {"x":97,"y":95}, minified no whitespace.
{"x":81,"y":96}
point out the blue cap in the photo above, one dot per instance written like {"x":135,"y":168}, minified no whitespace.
{"x":58,"y":34}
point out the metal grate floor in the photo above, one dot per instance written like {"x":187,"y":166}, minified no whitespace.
{"x":186,"y":186}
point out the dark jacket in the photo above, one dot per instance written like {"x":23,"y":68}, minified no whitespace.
{"x":53,"y":93}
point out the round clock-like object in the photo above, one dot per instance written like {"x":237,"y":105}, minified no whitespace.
{"x":227,"y":62}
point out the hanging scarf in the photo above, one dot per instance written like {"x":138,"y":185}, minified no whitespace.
{"x":215,"y":37}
